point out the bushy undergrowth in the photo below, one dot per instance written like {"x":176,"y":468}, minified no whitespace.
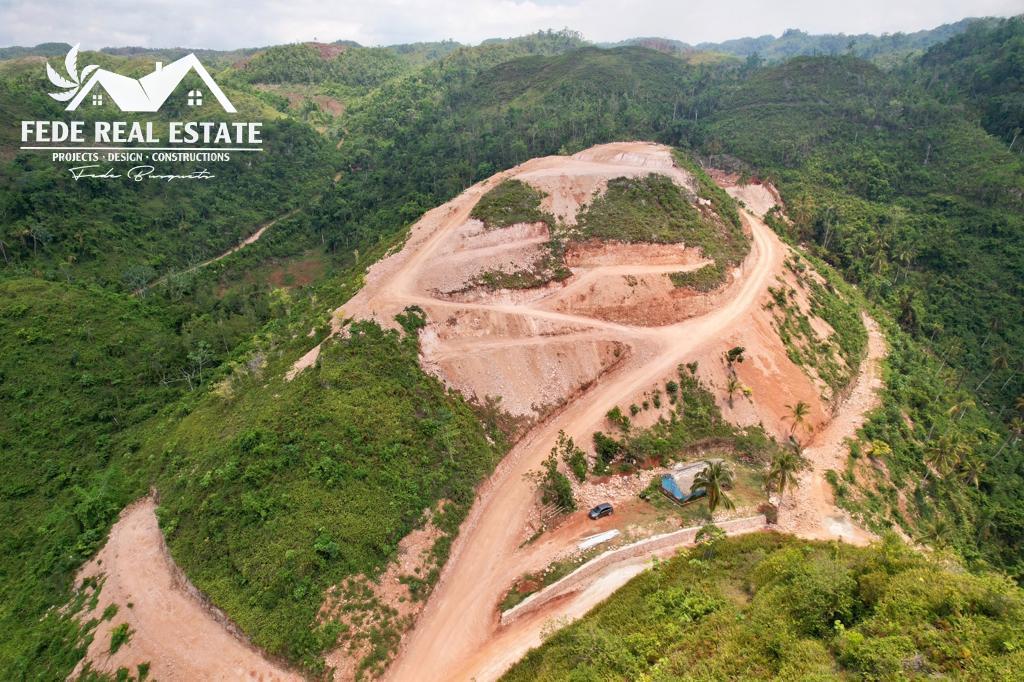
{"x":301,"y":484}
{"x":511,"y":202}
{"x":654,"y":209}
{"x":693,"y":420}
{"x":768,"y":606}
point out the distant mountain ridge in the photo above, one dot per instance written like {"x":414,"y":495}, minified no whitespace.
{"x":793,"y":42}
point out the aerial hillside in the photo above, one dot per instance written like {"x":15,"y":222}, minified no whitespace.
{"x":922,"y":210}
{"x":771,"y":607}
{"x":346,"y":408}
{"x":985,"y":67}
{"x":285,"y":461}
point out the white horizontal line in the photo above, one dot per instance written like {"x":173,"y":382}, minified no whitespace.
{"x":152,"y":149}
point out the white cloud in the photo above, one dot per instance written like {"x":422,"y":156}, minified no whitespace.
{"x":242,"y":23}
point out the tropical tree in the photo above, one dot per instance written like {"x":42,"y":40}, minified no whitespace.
{"x":945,"y":453}
{"x":937,"y":533}
{"x":731,"y":387}
{"x":971,"y":469}
{"x":714,"y":479}
{"x":1016,"y":431}
{"x":709,"y":537}
{"x":798,"y":413}
{"x":783,"y":470}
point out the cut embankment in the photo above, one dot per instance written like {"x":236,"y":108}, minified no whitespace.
{"x":159,"y":619}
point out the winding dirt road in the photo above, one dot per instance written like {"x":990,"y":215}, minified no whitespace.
{"x":454,"y":638}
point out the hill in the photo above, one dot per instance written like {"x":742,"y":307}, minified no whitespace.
{"x":898,"y":191}
{"x":893,"y":189}
{"x":985,"y":67}
{"x":885,"y":48}
{"x":767,"y":606}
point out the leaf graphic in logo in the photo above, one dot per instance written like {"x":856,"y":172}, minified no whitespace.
{"x":64,"y":96}
{"x":71,"y":62}
{"x":59,"y":80}
{"x":72,"y":85}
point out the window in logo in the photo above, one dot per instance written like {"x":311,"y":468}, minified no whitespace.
{"x":97,"y":99}
{"x":195,"y":98}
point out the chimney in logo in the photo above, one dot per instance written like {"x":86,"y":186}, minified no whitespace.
{"x":132,"y":94}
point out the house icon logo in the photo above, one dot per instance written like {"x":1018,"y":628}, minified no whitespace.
{"x":131,"y":94}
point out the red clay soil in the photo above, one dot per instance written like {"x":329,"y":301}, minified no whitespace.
{"x":513,"y":344}
{"x":565,"y":365}
{"x":172,"y":629}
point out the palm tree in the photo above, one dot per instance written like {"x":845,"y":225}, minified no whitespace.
{"x":798,"y":412}
{"x":938,"y":531}
{"x":945,"y":453}
{"x":971,"y":469}
{"x":714,"y":478}
{"x":1016,"y":431}
{"x":782,"y":472}
{"x":731,"y":387}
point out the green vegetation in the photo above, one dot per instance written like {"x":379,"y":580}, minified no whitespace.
{"x":571,"y":455}
{"x":836,"y":358}
{"x":354,"y":67}
{"x":119,"y":636}
{"x":983,"y":64}
{"x":80,"y":367}
{"x":694,"y":424}
{"x":301,"y":484}
{"x":916,"y":204}
{"x":907,"y":182}
{"x":715,"y":479}
{"x":555,"y":488}
{"x":511,"y":202}
{"x":706,"y":278}
{"x":767,"y":606}
{"x":655,"y":209}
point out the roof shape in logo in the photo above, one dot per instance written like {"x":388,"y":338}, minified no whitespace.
{"x":151,"y":91}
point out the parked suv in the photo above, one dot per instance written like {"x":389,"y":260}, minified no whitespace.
{"x":603,"y":509}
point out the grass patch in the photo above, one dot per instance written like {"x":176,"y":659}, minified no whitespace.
{"x":510,"y":203}
{"x":654,"y":209}
{"x":119,"y":636}
{"x":707,"y":278}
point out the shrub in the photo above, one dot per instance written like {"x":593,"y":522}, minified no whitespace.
{"x":119,"y":636}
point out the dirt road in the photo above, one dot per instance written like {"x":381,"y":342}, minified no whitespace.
{"x":251,"y":239}
{"x":172,"y":630}
{"x":453,"y":639}
{"x":810,"y":511}
{"x":458,"y":637}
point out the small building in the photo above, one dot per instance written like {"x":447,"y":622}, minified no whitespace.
{"x":678,"y":483}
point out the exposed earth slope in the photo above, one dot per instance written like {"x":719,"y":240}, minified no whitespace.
{"x":555,"y":346}
{"x":559,"y":354}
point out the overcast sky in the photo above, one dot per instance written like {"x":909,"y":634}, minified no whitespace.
{"x":227,"y":24}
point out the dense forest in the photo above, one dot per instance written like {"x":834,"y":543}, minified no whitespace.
{"x":124,"y":366}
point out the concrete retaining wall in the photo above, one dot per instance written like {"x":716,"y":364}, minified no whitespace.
{"x":648,"y":547}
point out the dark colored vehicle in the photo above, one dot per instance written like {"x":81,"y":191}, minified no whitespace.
{"x":603,"y":509}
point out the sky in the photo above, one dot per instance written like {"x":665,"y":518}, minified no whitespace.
{"x":227,"y":24}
